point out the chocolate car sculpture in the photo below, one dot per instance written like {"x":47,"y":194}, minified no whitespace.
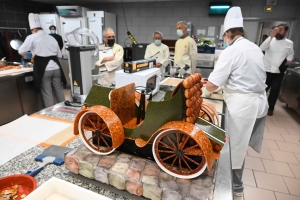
{"x":166,"y":131}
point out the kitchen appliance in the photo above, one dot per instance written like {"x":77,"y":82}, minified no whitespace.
{"x":98,"y":20}
{"x":139,"y":65}
{"x":148,"y":78}
{"x":72,"y":17}
{"x":82,"y":66}
{"x":138,"y":51}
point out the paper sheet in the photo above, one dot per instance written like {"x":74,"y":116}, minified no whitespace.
{"x":211,"y":31}
{"x":24,"y":133}
{"x":104,"y":53}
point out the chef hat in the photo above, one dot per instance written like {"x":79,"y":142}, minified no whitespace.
{"x":34,"y":21}
{"x":233,"y":19}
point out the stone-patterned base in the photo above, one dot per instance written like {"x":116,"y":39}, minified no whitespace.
{"x":137,"y":176}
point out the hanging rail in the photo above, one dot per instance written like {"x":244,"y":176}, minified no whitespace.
{"x":11,"y":28}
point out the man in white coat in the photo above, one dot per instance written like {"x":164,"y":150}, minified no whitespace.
{"x":110,"y":63}
{"x":47,"y":71}
{"x":279,"y":53}
{"x":240,"y":69}
{"x":185,"y":49}
{"x":159,"y":51}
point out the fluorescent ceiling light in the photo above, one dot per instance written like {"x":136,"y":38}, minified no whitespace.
{"x":218,"y":7}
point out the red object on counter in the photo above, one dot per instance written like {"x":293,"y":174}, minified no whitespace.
{"x":26,"y":184}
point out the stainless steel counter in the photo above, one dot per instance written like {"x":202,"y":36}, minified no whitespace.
{"x":17,"y":95}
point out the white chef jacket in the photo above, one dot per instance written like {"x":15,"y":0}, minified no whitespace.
{"x":161,"y":53}
{"x":111,"y":66}
{"x":42,"y":44}
{"x":275,"y":52}
{"x":186,"y":53}
{"x":240,"y":69}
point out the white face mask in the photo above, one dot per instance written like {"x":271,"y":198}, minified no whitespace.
{"x":179,"y":33}
{"x":157,"y":42}
{"x":52,"y":31}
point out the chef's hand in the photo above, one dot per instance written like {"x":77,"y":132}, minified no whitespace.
{"x":274,"y":32}
{"x":288,"y":62}
{"x":207,"y":93}
{"x":158,"y":64}
{"x":219,"y":89}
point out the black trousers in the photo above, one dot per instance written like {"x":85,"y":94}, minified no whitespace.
{"x":274,"y":82}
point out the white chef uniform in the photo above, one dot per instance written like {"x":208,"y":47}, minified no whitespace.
{"x":186,"y":53}
{"x":108,"y":68}
{"x":160,"y":52}
{"x":275,"y":52}
{"x":46,"y":69}
{"x":240,"y":69}
{"x":40,"y":43}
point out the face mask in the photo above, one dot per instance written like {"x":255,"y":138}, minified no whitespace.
{"x":226,"y":44}
{"x":52,"y":31}
{"x":111,"y":42}
{"x":157,"y":42}
{"x":179,"y":33}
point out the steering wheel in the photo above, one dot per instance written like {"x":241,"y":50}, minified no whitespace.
{"x":144,"y":91}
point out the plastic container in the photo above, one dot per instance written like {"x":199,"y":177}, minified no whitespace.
{"x":205,"y":63}
{"x":65,"y":189}
{"x":206,"y":49}
{"x":206,"y":56}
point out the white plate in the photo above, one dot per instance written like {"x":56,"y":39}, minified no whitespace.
{"x":65,"y":189}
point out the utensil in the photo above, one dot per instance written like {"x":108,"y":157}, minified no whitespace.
{"x":15,"y":44}
{"x":53,"y":154}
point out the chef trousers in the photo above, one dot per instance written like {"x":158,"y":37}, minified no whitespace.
{"x":52,"y":79}
{"x":274,"y":82}
{"x":237,"y":182}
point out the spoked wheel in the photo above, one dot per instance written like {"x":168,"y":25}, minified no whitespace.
{"x":95,"y":134}
{"x":203,"y":114}
{"x":178,"y":154}
{"x":209,"y":113}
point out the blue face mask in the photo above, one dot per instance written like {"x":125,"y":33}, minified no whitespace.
{"x":226,"y":44}
{"x":52,"y":31}
{"x":157,"y":42}
{"x":179,"y":33}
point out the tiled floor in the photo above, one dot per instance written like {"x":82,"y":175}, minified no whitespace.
{"x":274,"y":174}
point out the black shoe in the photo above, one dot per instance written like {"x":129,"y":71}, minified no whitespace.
{"x":270,"y":112}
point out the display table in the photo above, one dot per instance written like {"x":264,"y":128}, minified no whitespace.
{"x":222,"y":179}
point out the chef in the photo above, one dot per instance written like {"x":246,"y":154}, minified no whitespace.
{"x":110,"y":58}
{"x":185,"y":48}
{"x":47,"y":72}
{"x":159,"y":51}
{"x":240,"y":69}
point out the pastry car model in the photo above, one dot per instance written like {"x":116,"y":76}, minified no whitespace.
{"x":168,"y":131}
